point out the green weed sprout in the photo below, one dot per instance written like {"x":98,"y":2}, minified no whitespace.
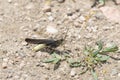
{"x":56,"y":59}
{"x":92,"y":58}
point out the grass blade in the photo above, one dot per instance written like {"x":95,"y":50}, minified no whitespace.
{"x":94,"y":74}
{"x":110,"y":48}
{"x":49,"y":60}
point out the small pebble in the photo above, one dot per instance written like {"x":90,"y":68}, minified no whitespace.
{"x":9,"y":1}
{"x":49,"y":13}
{"x":47,"y":8}
{"x":95,"y":28}
{"x":24,"y":43}
{"x":69,"y":13}
{"x":106,"y":28}
{"x":51,"y":29}
{"x":45,"y":65}
{"x":73,"y":73}
{"x":74,"y":16}
{"x":82,"y":18}
{"x":6,"y":59}
{"x":51,"y":18}
{"x":118,"y":74}
{"x":61,"y":1}
{"x":4,"y":65}
{"x":59,"y":22}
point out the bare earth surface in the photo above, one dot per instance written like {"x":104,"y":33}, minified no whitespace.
{"x":20,"y":19}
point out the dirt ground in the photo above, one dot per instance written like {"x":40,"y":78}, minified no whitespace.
{"x":20,"y":19}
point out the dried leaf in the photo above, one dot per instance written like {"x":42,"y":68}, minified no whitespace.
{"x":94,"y":74}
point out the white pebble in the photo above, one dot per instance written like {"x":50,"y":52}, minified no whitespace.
{"x":50,"y":18}
{"x":51,"y":29}
{"x":73,"y":72}
{"x":82,"y":18}
{"x":118,"y":74}
{"x":5,"y":59}
{"x":74,"y":16}
{"x":9,"y":1}
{"x":24,"y":43}
{"x":49,"y":13}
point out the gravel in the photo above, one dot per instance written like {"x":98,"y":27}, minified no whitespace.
{"x":22,"y":19}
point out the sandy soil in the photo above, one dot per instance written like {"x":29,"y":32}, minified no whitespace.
{"x":20,"y":19}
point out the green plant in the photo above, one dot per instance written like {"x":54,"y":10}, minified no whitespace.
{"x":92,"y":58}
{"x":56,"y":59}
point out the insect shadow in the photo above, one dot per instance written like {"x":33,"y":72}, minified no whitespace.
{"x":50,"y":48}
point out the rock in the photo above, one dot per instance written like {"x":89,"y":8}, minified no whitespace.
{"x":49,"y":13}
{"x":73,"y":73}
{"x":118,"y":74}
{"x":76,"y":16}
{"x":59,"y":22}
{"x":51,"y":29}
{"x":5,"y":59}
{"x":82,"y":18}
{"x":61,"y":1}
{"x":47,"y":8}
{"x":4,"y":65}
{"x":94,"y":28}
{"x":106,"y":28}
{"x":51,"y":18}
{"x":10,"y":1}
{"x":24,"y":43}
{"x":69,"y":13}
{"x":46,"y":66}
